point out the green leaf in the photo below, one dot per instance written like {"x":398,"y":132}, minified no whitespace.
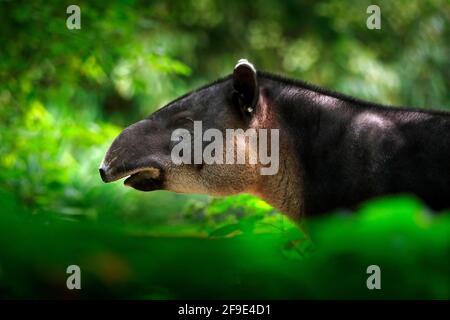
{"x":225,"y":230}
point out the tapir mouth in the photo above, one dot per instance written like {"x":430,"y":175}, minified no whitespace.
{"x":148,"y":179}
{"x":143,"y":179}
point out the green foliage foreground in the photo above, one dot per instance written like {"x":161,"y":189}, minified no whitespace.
{"x":410,"y":245}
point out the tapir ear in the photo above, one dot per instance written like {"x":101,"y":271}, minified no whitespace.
{"x":246,"y":86}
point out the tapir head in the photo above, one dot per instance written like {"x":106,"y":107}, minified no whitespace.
{"x":143,"y":152}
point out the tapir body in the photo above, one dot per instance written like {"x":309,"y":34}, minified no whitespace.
{"x":335,"y":151}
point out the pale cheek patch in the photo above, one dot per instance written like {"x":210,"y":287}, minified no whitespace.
{"x":183,"y":180}
{"x":245,"y":149}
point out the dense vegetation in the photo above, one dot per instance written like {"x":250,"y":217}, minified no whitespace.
{"x":65,"y":94}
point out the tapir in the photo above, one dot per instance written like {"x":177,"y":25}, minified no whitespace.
{"x":335,"y":151}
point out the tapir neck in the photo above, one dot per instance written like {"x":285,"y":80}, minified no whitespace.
{"x":299,"y":113}
{"x":338,"y":151}
{"x":283,"y":190}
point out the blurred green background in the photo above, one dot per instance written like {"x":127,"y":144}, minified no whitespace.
{"x":65,"y":94}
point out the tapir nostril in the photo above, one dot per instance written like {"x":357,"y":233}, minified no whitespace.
{"x":103,"y":174}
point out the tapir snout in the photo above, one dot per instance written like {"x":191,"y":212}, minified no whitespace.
{"x":137,"y":153}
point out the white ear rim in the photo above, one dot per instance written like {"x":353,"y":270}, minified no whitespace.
{"x":246,"y":63}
